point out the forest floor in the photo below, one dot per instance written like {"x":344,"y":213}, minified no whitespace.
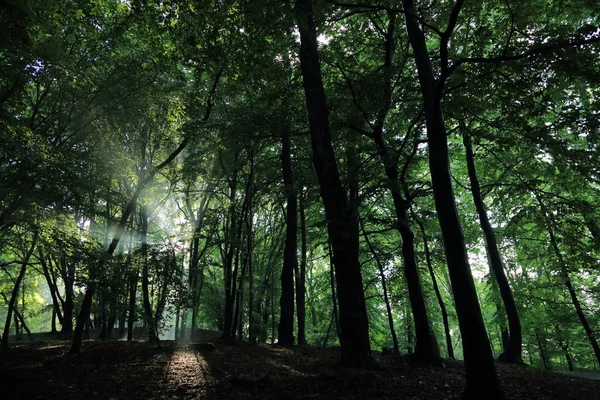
{"x":121,"y":370}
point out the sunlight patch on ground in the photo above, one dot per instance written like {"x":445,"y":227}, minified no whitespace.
{"x":186,"y":374}
{"x":281,"y":367}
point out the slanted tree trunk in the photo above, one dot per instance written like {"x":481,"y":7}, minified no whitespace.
{"x":541,"y":341}
{"x":512,"y":353}
{"x":551,"y":223}
{"x":564,"y":345}
{"x":386,"y":299}
{"x":438,"y":294}
{"x":15,"y":292}
{"x":19,"y":318}
{"x":481,"y":379}
{"x":53,"y":290}
{"x":342,"y":219}
{"x":285,"y":332}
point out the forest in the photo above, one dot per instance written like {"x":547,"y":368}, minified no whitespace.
{"x":367,"y":184}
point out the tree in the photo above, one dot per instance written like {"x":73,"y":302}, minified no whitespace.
{"x":512,"y":353}
{"x":285,"y":335}
{"x":342,"y":220}
{"x":479,"y":363}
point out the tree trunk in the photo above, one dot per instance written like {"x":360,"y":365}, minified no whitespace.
{"x":388,"y":307}
{"x":146,"y":301}
{"x":342,"y":219}
{"x":53,"y":322}
{"x":427,"y":349}
{"x":410,"y":344}
{"x":512,"y":353}
{"x":300,"y":276}
{"x":480,"y":371}
{"x":53,"y":290}
{"x":285,"y":332}
{"x":438,"y":294}
{"x":15,"y":293}
{"x":133,"y":281}
{"x":238,"y":294}
{"x":228,"y":271}
{"x":564,"y":345}
{"x":541,"y":341}
{"x":68,"y":277}
{"x":567,"y":281}
{"x":195,"y":272}
{"x":336,"y":315}
{"x":19,"y":318}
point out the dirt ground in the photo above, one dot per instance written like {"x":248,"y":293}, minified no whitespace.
{"x":121,"y":370}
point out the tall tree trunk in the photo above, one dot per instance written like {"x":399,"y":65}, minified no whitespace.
{"x":512,"y":353}
{"x":53,"y":290}
{"x":285,"y":332}
{"x":133,"y":282}
{"x":19,"y":318}
{"x":567,"y":281}
{"x":386,"y":299}
{"x":427,"y":349}
{"x":68,"y":277}
{"x":53,"y":322}
{"x":193,"y":277}
{"x":541,"y":341}
{"x":438,"y":294}
{"x":300,"y":276}
{"x":229,"y":253}
{"x":250,"y":247}
{"x":410,"y":344}
{"x":342,"y":219}
{"x":146,"y":301}
{"x":238,"y":294}
{"x":336,"y":315}
{"x":15,"y":292}
{"x":480,"y":371}
{"x":195,"y":271}
{"x":564,"y":345}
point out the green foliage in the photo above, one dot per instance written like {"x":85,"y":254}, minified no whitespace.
{"x":93,"y":94}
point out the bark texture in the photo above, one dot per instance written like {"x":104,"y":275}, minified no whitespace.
{"x":342,"y":221}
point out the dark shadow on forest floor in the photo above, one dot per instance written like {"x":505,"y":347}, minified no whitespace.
{"x":121,"y":370}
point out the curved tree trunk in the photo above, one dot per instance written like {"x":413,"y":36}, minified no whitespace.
{"x":342,"y":220}
{"x":481,"y":379}
{"x":512,"y":353}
